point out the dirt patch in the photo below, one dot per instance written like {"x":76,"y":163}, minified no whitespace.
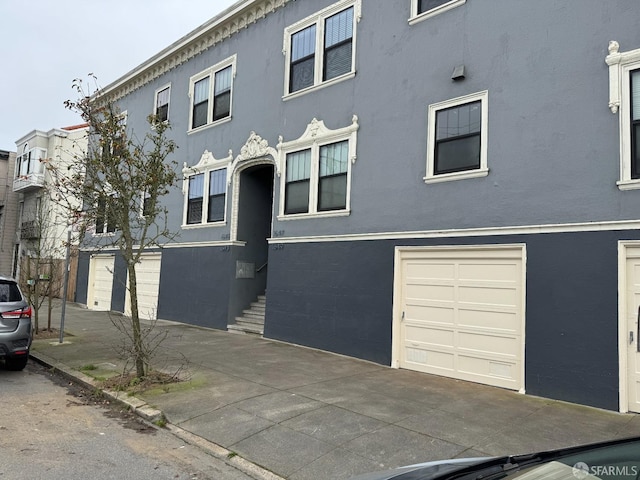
{"x":82,"y":396}
{"x":131,"y":384}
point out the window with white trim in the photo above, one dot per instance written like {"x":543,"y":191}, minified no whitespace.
{"x":161,"y":108}
{"x":211,"y":93}
{"x":624,"y":100}
{"x":317,"y":171}
{"x":30,"y":162}
{"x":205,"y":188}
{"x":321,"y":48}
{"x":457,"y":138}
{"x":423,"y":9}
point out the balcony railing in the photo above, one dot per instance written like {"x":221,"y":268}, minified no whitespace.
{"x":29,"y":230}
{"x":30,"y":181}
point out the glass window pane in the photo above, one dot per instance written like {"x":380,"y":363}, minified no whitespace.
{"x":303,"y":43}
{"x":221,"y":105}
{"x":194,"y":211}
{"x":216,"y":208}
{"x":297,"y":197}
{"x":222,"y":81}
{"x":460,"y":120}
{"x":302,"y":75}
{"x":162,"y":112}
{"x":458,"y":155}
{"x":201,"y":91}
{"x":200,"y":113}
{"x":337,"y":61}
{"x":338,"y":27}
{"x":217,"y":182}
{"x":334,"y":158}
{"x":196,"y":186}
{"x":635,"y":95}
{"x":635,"y":150}
{"x":298,"y":165}
{"x":332,"y":193}
{"x":163,"y":97}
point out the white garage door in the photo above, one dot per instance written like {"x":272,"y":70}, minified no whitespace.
{"x":100,"y":282}
{"x":148,"y":281}
{"x":460,"y":313}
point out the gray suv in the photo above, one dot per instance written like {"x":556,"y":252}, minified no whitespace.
{"x":15,"y":325}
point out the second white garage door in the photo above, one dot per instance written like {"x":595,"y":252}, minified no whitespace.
{"x":148,"y":280}
{"x":459,"y":312}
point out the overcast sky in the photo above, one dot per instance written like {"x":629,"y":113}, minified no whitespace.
{"x":45,"y":44}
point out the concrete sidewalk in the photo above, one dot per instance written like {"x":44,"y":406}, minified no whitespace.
{"x":307,"y":414}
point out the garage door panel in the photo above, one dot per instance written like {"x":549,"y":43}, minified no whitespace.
{"x":441,"y":271}
{"x":485,"y":344}
{"x":431,"y":292}
{"x":429,"y":336}
{"x":478,"y":271}
{"x":464,"y":313}
{"x":488,"y":320}
{"x":425,"y":360}
{"x":430,"y":314}
{"x":488,"y":295}
{"x":148,"y":284}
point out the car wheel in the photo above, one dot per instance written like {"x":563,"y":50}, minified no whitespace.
{"x":16,"y":363}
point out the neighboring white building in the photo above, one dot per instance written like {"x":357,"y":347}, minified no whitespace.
{"x":42,"y":224}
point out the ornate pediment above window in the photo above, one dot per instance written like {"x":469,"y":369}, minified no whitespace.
{"x":207,"y":162}
{"x":255,"y":150}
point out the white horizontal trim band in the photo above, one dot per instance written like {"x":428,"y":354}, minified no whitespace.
{"x":469,"y":232}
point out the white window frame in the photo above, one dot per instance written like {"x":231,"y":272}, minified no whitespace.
{"x":34,"y":158}
{"x":621,"y":64}
{"x":319,"y":20}
{"x":315,"y":136}
{"x":155,"y":100}
{"x":416,"y":17}
{"x":211,"y":73}
{"x":483,"y":171}
{"x":205,"y":166}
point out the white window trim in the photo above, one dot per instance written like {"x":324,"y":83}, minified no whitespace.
{"x":483,"y":171}
{"x":620,"y":66}
{"x":315,"y":136}
{"x":155,"y":100}
{"x":318,"y":19}
{"x":206,"y":165}
{"x":211,"y":72}
{"x":416,"y":18}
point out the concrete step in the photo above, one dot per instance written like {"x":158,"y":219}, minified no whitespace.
{"x":245,"y":330}
{"x":253,"y":314}
{"x":250,"y":320}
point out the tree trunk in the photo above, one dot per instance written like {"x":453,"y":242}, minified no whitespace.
{"x":138,"y":346}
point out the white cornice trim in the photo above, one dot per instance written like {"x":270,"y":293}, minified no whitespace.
{"x":237,"y":17}
{"x":468,"y":232}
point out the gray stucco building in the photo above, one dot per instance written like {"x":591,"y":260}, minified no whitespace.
{"x":446,"y":186}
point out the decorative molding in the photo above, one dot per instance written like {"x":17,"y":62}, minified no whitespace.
{"x":255,"y":148}
{"x":207,"y":162}
{"x":205,"y":37}
{"x":617,"y":61}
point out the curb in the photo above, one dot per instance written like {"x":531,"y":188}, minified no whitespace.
{"x":152,"y":414}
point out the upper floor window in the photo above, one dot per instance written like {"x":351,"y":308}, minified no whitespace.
{"x":317,"y":169}
{"x":211,"y":94}
{"x":624,"y":100}
{"x":161,"y":109}
{"x":30,"y":161}
{"x":205,"y":188}
{"x":457,"y":138}
{"x":105,"y":220}
{"x":321,"y":47}
{"x":423,"y":9}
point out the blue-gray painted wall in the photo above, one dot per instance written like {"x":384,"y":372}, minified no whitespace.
{"x":552,"y":141}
